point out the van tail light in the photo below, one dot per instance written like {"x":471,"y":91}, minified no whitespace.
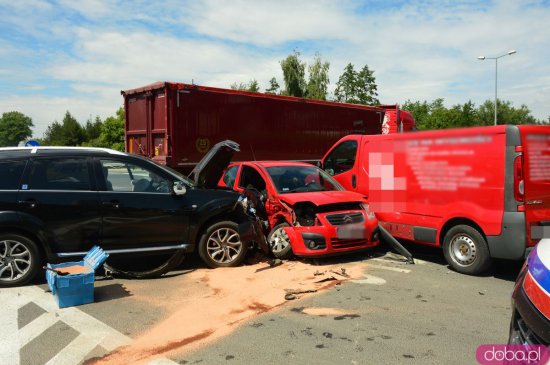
{"x":519,"y":182}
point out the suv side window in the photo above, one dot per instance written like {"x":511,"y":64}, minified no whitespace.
{"x":341,"y":159}
{"x":60,"y":174}
{"x":251,"y":178}
{"x":10,"y":172}
{"x":125,"y":176}
{"x":230,"y":176}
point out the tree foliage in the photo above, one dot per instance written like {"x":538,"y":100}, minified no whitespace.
{"x":317,"y":86}
{"x":14,"y":128}
{"x":294,"y":75}
{"x":108,"y":133}
{"x":252,"y":86}
{"x":274,"y":87}
{"x":357,"y":87}
{"x":67,"y":133}
{"x":434,"y":114}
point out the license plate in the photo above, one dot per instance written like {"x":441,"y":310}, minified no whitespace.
{"x":351,"y":232}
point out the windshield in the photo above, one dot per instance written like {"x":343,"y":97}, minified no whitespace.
{"x":301,"y":179}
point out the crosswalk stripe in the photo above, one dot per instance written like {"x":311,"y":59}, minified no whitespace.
{"x":74,"y":352}
{"x":390,"y":268}
{"x":92,"y":332}
{"x":9,"y":345}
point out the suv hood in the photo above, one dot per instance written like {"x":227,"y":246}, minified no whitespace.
{"x":322,"y":197}
{"x":209,"y":170}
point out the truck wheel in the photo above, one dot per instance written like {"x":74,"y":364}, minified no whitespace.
{"x":466,"y":250}
{"x":279,"y":242}
{"x":221,"y":246}
{"x":19,"y":260}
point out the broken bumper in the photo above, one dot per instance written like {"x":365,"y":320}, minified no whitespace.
{"x":327,"y":239}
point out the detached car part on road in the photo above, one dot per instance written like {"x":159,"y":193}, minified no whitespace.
{"x":56,"y":203}
{"x":530,"y":323}
{"x":308,"y":213}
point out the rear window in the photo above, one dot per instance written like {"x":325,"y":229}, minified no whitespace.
{"x":11,"y":171}
{"x":538,"y":157}
{"x":60,"y":174}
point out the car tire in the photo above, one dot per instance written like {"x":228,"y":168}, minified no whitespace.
{"x":221,"y":246}
{"x":124,"y":266}
{"x":279,"y":242}
{"x":20,"y":260}
{"x":466,"y":250}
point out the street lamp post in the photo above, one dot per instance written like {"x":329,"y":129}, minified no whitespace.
{"x":481,"y":58}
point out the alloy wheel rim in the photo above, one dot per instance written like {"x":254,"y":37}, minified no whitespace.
{"x":463,"y":250}
{"x":224,"y":245}
{"x":15,"y":260}
{"x":279,"y":240}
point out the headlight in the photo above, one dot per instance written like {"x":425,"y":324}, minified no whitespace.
{"x":370,"y":215}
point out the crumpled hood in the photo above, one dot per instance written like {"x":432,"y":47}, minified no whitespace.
{"x":322,"y":197}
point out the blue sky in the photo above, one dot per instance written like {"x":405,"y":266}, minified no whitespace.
{"x":77,"y":55}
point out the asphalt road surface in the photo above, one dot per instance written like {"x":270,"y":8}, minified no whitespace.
{"x":386,"y":311}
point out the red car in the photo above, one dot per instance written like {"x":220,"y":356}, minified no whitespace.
{"x":309,"y":213}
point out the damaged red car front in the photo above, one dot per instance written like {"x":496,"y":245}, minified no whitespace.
{"x":308,"y":212}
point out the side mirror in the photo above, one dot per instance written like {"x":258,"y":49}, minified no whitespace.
{"x":319,"y":164}
{"x":179,"y":188}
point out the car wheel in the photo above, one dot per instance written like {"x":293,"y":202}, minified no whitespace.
{"x":221,"y":246}
{"x":279,"y":242}
{"x":143,"y":267}
{"x":19,"y":260}
{"x":466,"y":250}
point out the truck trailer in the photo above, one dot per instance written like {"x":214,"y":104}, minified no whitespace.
{"x":176,"y":124}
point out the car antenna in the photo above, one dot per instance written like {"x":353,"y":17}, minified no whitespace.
{"x":253,"y":155}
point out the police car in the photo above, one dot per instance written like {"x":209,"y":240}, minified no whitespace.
{"x":531,"y":299}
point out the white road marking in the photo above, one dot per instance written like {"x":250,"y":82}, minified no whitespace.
{"x":416,"y":261}
{"x":370,"y":279}
{"x":390,"y":268}
{"x":92,"y":331}
{"x":9,"y":344}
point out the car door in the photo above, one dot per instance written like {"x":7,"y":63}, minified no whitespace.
{"x":138,"y":208}
{"x":57,"y":195}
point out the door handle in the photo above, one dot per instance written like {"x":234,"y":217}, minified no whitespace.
{"x":353,"y":181}
{"x":31,"y":203}
{"x":111,"y":204}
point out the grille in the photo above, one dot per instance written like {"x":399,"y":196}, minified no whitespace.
{"x":526,"y":336}
{"x":338,"y":243}
{"x":345,"y":218}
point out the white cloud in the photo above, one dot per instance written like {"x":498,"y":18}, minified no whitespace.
{"x":418,"y":51}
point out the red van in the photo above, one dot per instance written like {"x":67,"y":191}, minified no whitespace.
{"x":479,"y":193}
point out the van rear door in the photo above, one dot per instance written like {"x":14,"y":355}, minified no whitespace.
{"x":536,"y":162}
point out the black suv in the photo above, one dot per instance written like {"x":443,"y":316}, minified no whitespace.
{"x":58,"y":202}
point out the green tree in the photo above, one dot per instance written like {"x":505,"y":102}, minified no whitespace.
{"x":67,"y":133}
{"x":252,"y":86}
{"x":53,"y":135}
{"x":112,"y":131}
{"x":367,"y":90}
{"x":14,"y":128}
{"x":274,"y":87}
{"x":506,"y":113}
{"x":346,"y":86}
{"x":318,"y":79}
{"x":92,"y":129}
{"x":357,"y":87}
{"x":294,"y":75}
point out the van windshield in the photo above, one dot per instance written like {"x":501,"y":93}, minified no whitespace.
{"x":301,"y":179}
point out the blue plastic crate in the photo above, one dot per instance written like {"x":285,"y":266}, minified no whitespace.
{"x":76,"y":289}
